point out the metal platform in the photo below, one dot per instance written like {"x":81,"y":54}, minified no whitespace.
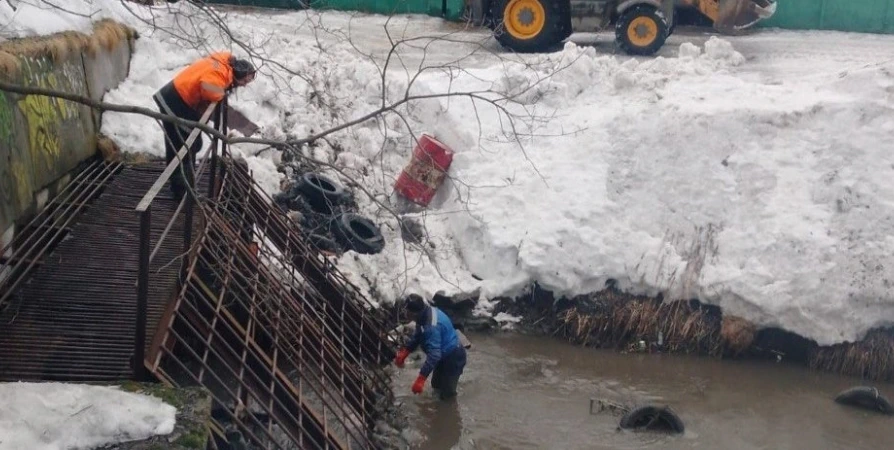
{"x":69,"y":298}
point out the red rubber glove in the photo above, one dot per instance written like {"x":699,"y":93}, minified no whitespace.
{"x":419,"y":384}
{"x":401,"y":356}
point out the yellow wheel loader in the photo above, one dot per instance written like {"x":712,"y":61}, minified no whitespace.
{"x":641,"y":26}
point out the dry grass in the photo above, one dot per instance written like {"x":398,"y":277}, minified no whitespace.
{"x":613,"y":319}
{"x":737,"y":334}
{"x":59,"y":47}
{"x":108,"y":149}
{"x":137,"y":158}
{"x":10,"y":65}
{"x":872,"y":358}
{"x":620,"y":320}
{"x":108,"y":34}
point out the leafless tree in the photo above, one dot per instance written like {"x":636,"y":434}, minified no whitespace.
{"x":411,"y":55}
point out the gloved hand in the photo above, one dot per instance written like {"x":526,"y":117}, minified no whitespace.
{"x":401,"y":356}
{"x":419,"y":384}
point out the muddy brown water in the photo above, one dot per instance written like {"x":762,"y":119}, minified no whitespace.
{"x":523,"y":392}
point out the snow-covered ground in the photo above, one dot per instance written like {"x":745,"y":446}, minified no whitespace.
{"x":57,"y":416}
{"x":751,"y":172}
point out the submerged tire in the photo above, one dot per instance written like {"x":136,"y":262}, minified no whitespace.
{"x":321,"y":192}
{"x":652,"y":418}
{"x":358,"y":233}
{"x":641,"y":30}
{"x":527,"y":26}
{"x":867,"y":398}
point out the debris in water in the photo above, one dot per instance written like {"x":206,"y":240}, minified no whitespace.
{"x":652,"y":418}
{"x":865,"y":397}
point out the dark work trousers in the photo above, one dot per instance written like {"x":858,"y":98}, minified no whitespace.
{"x":446,"y":374}
{"x":169,"y":102}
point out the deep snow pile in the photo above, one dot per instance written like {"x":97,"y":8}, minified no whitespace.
{"x":692,"y":176}
{"x":21,"y":18}
{"x":51,"y":416}
{"x":761,"y":188}
{"x":771,"y":200}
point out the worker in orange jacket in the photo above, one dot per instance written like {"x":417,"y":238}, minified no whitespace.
{"x":205,"y":81}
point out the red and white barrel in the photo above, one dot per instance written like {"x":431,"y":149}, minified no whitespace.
{"x":426,"y":171}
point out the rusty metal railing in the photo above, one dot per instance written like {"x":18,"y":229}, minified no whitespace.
{"x":144,"y":211}
{"x":291,"y":353}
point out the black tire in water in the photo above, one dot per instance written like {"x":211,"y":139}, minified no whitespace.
{"x":358,"y":233}
{"x":652,"y":418}
{"x":529,"y":26}
{"x":321,"y":192}
{"x":867,"y":398}
{"x":641,"y":30}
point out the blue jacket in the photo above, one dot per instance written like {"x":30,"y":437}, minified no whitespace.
{"x":436,"y":340}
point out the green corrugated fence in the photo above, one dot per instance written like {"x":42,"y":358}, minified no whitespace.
{"x":448,"y":9}
{"x":868,"y":16}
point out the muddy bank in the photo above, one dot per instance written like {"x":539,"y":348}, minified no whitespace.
{"x":616,"y":320}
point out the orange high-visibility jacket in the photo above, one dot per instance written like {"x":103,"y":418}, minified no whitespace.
{"x":205,"y":80}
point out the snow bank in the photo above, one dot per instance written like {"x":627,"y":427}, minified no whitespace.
{"x":752,"y":180}
{"x":691,"y":176}
{"x":24,"y":18}
{"x":50,"y":416}
{"x":770,"y":200}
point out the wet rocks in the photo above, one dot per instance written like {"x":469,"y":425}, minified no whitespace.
{"x":460,"y":308}
{"x":475,"y":324}
{"x":459,"y":304}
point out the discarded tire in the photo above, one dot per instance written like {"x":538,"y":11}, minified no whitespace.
{"x":321,"y":192}
{"x":358,"y":233}
{"x":652,"y":418}
{"x":867,"y":398}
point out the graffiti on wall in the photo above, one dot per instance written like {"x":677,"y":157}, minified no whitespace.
{"x":14,"y":180}
{"x":46,"y":115}
{"x":7,"y":183}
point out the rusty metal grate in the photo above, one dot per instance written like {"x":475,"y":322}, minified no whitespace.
{"x":50,"y":226}
{"x":71,"y":314}
{"x":290,"y":351}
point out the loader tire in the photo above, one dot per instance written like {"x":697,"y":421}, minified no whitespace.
{"x":529,"y":26}
{"x":641,"y":30}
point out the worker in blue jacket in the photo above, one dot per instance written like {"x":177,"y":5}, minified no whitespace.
{"x":444,"y":356}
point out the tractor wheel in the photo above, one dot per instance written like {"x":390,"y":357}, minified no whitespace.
{"x":673,"y":25}
{"x":641,"y":30}
{"x":528,"y":26}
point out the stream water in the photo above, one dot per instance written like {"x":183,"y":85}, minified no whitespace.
{"x":522,"y":392}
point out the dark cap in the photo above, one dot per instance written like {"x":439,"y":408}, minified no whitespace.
{"x":415,"y":303}
{"x":242,"y":68}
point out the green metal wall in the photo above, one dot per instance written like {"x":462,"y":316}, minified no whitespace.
{"x":449,"y":9}
{"x":868,"y":16}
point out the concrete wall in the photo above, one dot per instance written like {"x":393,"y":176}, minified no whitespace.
{"x":42,"y":138}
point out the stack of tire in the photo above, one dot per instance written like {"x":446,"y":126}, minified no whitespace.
{"x":327,"y":218}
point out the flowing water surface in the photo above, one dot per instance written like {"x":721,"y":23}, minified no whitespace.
{"x":522,"y":392}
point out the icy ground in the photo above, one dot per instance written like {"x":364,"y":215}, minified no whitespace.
{"x":57,"y":416}
{"x":752,"y":172}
